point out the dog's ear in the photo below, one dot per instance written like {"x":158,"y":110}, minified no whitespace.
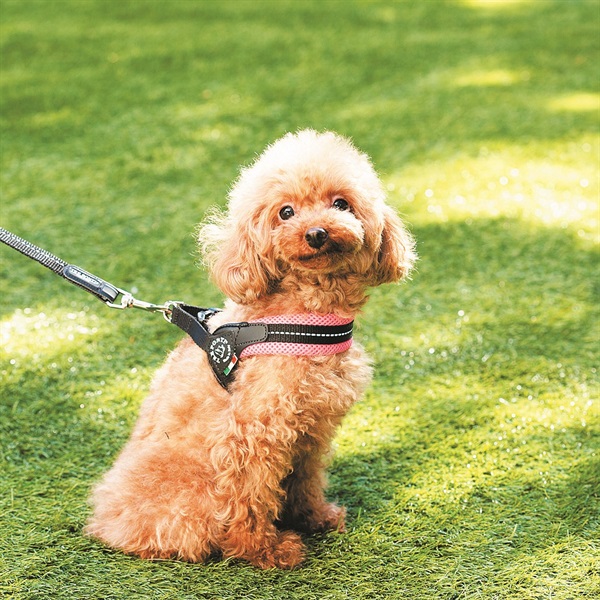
{"x":232,"y":254}
{"x":396,"y":254}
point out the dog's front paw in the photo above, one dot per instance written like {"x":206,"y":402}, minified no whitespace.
{"x":330,"y":517}
{"x":286,"y":554}
{"x":325,"y":517}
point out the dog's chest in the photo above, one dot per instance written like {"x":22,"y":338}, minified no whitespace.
{"x":308,"y":390}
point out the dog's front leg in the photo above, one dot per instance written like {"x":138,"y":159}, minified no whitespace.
{"x":249,"y":466}
{"x":306,"y":508}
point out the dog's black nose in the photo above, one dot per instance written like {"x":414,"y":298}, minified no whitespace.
{"x":316,"y":237}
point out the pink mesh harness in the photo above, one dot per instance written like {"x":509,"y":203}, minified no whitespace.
{"x":298,"y":348}
{"x":306,"y":334}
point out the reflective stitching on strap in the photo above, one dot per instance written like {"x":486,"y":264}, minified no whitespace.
{"x":311,"y":334}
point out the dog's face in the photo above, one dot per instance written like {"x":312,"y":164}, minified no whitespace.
{"x":318,"y":232}
{"x":311,"y":204}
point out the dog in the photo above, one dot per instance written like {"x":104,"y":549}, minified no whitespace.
{"x":240,"y":472}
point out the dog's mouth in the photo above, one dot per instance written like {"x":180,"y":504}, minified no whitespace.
{"x":322,"y":248}
{"x":332,"y":250}
{"x":314,"y":256}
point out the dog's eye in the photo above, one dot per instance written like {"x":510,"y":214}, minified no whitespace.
{"x":341,"y":204}
{"x":287,"y":212}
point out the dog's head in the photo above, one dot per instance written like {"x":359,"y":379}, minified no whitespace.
{"x":310,"y":205}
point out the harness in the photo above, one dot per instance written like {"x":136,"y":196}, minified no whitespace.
{"x":291,"y":335}
{"x":307,"y":334}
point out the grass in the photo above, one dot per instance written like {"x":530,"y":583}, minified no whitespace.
{"x":471,"y":469}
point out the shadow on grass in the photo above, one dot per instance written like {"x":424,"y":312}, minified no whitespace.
{"x":513,"y":530}
{"x":479,"y":433}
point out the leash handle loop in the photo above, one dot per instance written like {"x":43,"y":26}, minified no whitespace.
{"x":103,"y":290}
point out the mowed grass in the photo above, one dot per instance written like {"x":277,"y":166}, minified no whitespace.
{"x":471,"y":468}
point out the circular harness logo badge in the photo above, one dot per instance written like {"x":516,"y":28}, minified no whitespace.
{"x":220,"y":350}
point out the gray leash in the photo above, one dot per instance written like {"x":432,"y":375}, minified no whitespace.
{"x":103,"y":290}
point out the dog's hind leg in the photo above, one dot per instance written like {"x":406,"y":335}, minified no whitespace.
{"x":248,"y":488}
{"x":262,"y":544}
{"x":154,"y":507}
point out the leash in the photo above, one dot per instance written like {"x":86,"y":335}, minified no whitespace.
{"x":189,"y":318}
{"x":312,"y":336}
{"x":103,"y":290}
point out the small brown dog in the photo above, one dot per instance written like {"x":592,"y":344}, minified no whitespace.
{"x":240,"y":471}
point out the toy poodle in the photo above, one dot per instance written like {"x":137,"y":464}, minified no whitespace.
{"x":238,"y":470}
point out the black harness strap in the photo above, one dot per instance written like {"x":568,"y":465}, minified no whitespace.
{"x":224,"y":346}
{"x":310,"y":334}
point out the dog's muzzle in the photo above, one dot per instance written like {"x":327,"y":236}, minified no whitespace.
{"x":316,"y":237}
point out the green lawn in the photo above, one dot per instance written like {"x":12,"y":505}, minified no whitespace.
{"x":471,"y":469}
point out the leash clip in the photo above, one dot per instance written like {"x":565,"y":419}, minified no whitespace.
{"x":128,"y":301}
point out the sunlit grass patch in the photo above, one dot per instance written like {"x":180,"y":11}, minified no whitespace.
{"x":493,"y":77}
{"x":28,"y":333}
{"x":513,"y":182}
{"x":496,"y":4}
{"x":577,"y":102}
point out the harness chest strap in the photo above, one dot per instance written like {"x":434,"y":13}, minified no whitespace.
{"x":292,"y":335}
